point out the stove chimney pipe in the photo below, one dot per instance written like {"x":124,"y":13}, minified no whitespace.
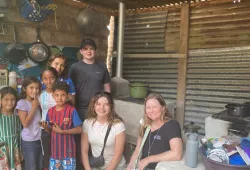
{"x":120,"y":45}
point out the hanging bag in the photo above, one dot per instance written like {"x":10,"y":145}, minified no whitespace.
{"x":97,"y":162}
{"x":142,"y":144}
{"x":36,"y":10}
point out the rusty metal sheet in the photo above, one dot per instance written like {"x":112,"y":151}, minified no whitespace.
{"x":216,"y":77}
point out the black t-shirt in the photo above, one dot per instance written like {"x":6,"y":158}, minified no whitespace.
{"x":88,"y":79}
{"x":159,"y":140}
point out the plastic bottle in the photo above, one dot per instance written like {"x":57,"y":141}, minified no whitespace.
{"x":192,"y":146}
{"x":13,"y":79}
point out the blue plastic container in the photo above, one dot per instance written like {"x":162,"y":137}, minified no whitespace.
{"x":236,"y":159}
{"x":213,"y":165}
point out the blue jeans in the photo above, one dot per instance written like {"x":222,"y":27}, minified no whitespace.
{"x":32,"y":153}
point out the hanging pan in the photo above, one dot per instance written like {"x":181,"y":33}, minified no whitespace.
{"x":15,"y":53}
{"x":38,"y":51}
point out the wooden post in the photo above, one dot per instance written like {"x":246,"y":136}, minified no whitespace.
{"x":182,"y":64}
{"x":110,"y":44}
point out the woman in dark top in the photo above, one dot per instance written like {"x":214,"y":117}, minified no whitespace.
{"x":163,"y":142}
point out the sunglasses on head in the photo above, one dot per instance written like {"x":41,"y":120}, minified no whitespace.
{"x":103,"y":93}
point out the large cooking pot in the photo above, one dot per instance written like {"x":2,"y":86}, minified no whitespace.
{"x":90,"y":21}
{"x":240,"y":110}
{"x":15,"y":53}
{"x":38,"y":51}
{"x":138,"y":90}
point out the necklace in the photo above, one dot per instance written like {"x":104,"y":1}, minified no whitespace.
{"x":150,"y":145}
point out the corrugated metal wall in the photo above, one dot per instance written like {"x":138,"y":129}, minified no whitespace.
{"x":216,"y":77}
{"x":160,"y":74}
{"x":220,"y":25}
{"x":172,"y":33}
{"x":145,"y":34}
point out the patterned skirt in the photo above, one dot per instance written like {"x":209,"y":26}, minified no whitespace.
{"x":10,"y":155}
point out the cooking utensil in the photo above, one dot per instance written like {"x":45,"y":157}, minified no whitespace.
{"x":235,"y":132}
{"x":2,"y":26}
{"x":240,"y":110}
{"x":15,"y":53}
{"x":90,"y":21}
{"x":138,"y":90}
{"x":191,"y":128}
{"x":38,"y":51}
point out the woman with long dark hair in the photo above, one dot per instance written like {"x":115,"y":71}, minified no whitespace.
{"x":101,"y":115}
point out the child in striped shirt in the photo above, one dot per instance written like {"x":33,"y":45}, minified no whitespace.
{"x":64,"y":122}
{"x":10,"y":128}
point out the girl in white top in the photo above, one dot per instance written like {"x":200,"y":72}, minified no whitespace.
{"x":100,"y":114}
{"x":46,"y":100}
{"x":48,"y":78}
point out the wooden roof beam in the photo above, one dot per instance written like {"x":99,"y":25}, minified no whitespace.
{"x":182,"y":64}
{"x":135,"y":2}
{"x":211,"y":2}
{"x":83,"y":5}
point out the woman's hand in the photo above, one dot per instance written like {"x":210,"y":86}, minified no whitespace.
{"x":56,"y":128}
{"x":143,"y":163}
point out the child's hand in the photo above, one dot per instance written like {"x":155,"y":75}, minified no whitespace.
{"x":35,"y":103}
{"x":43,"y":124}
{"x":56,"y":128}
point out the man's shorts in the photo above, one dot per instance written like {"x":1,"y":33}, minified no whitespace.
{"x":62,"y":164}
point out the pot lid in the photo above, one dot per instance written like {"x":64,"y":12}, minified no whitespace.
{"x":191,"y":125}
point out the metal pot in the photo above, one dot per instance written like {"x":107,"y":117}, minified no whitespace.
{"x":138,"y":90}
{"x":240,"y":110}
{"x":38,"y":51}
{"x":191,"y":128}
{"x":90,"y":21}
{"x":15,"y":53}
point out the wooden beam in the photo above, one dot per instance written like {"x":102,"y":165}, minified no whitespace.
{"x":176,"y":6}
{"x":83,"y":5}
{"x":155,"y":55}
{"x":182,"y":64}
{"x":127,"y":2}
{"x":214,"y":2}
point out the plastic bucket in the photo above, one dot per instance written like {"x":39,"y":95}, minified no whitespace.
{"x":213,"y":165}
